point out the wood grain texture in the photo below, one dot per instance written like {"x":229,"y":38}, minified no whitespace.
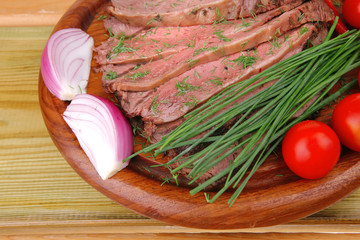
{"x":32,"y":13}
{"x":42,"y":197}
{"x":185,"y":236}
{"x":264,"y":203}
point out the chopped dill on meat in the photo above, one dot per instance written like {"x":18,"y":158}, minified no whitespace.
{"x":155,"y":104}
{"x":192,"y":62}
{"x":244,"y":24}
{"x":168,"y":45}
{"x":173,"y":5}
{"x":191,"y":44}
{"x":121,"y":47}
{"x":137,"y":75}
{"x":183,"y":87}
{"x":213,"y":70}
{"x":101,"y":17}
{"x":303,"y":30}
{"x":215,"y":80}
{"x":276,"y":43}
{"x":111,"y":75}
{"x":253,"y":14}
{"x":301,"y":16}
{"x":203,"y":49}
{"x":193,"y":101}
{"x":196,"y":75}
{"x":246,"y":61}
{"x":286,"y":37}
{"x":244,"y":44}
{"x":218,"y":13}
{"x":111,"y":34}
{"x":155,"y":41}
{"x":278,"y":32}
{"x":220,"y":35}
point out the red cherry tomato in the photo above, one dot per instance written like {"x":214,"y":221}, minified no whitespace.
{"x":351,"y":12}
{"x":311,"y":149}
{"x":346,"y":121}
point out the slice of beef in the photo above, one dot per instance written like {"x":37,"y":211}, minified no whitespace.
{"x":172,"y":13}
{"x":155,"y":73}
{"x":117,"y":27}
{"x":157,"y":13}
{"x":112,"y":71}
{"x":160,"y":42}
{"x":178,"y":96}
{"x":162,"y":130}
{"x":150,"y":44}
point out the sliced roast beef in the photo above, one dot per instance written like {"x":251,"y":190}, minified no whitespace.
{"x":112,"y":71}
{"x":155,"y":73}
{"x":162,"y":130}
{"x":150,"y":44}
{"x":157,"y":13}
{"x":117,"y":27}
{"x":181,"y":94}
{"x":155,"y":43}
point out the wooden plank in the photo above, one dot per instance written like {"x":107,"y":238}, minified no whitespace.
{"x":150,"y":226}
{"x":31,"y":13}
{"x":165,"y":236}
{"x":181,"y":236}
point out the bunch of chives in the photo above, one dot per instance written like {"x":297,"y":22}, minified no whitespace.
{"x":263,"y":118}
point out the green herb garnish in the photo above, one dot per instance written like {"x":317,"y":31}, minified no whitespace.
{"x":111,"y":75}
{"x":220,"y":35}
{"x":192,"y":62}
{"x":121,"y":47}
{"x":155,"y":104}
{"x":174,"y":5}
{"x":183,"y":87}
{"x":263,"y":118}
{"x":303,"y":30}
{"x":216,"y":81}
{"x":196,"y":75}
{"x":193,"y":101}
{"x":246,"y":61}
{"x":300,"y":17}
{"x":203,"y":49}
{"x":137,"y":75}
{"x":191,"y":44}
{"x":101,"y":17}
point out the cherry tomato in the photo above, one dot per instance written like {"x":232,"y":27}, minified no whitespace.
{"x":346,"y":121}
{"x":311,"y":149}
{"x":351,"y":12}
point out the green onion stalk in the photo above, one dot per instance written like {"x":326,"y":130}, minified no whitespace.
{"x":262,"y":119}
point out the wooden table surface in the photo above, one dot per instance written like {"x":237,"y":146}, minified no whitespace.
{"x":42,"y":197}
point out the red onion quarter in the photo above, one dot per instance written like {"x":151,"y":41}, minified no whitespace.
{"x":103,"y":132}
{"x":65,"y":63}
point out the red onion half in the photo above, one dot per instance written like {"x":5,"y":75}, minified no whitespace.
{"x":65,"y":63}
{"x":103,"y":132}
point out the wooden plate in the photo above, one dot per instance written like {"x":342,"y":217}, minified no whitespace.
{"x":273,"y":196}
